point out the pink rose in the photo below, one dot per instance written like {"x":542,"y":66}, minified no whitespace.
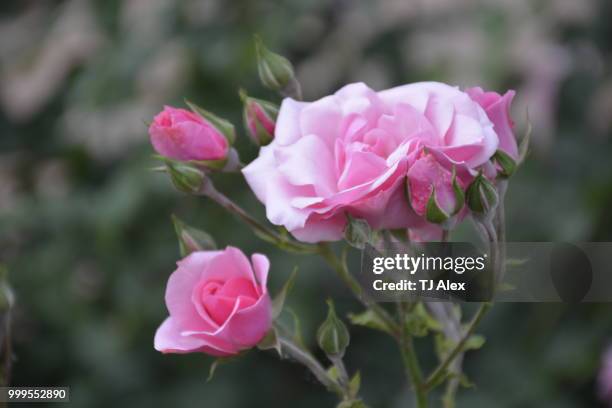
{"x":218,"y":304}
{"x":350,"y":153}
{"x":183,"y":135}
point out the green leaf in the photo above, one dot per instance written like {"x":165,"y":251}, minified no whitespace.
{"x":332,"y":372}
{"x":191,"y":239}
{"x":369,"y":319}
{"x":419,"y":322}
{"x":355,"y":385}
{"x":507,"y":163}
{"x":475,"y":342}
{"x":279,"y":300}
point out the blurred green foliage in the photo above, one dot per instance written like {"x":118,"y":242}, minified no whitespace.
{"x":85,"y":227}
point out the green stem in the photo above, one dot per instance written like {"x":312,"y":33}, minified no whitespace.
{"x":261,"y":230}
{"x":341,"y":270}
{"x":440,"y":372}
{"x":305,"y":358}
{"x":411,"y":361}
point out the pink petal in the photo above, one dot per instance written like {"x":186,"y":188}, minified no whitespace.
{"x":169,"y":339}
{"x":322,"y":118}
{"x":321,"y":229}
{"x":308,"y":161}
{"x":180,"y":286}
{"x":287,"y":129}
{"x":261,"y":265}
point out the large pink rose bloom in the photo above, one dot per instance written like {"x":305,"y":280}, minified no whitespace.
{"x":182,"y":135}
{"x":218,"y":304}
{"x":350,"y":153}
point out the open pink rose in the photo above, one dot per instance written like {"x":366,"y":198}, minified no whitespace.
{"x":182,"y":135}
{"x":218,"y":304}
{"x":350,"y":153}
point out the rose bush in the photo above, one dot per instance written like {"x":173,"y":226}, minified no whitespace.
{"x":218,"y":304}
{"x":350,"y":153}
{"x":183,"y":135}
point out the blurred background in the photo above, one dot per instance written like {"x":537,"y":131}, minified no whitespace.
{"x":85,"y":229}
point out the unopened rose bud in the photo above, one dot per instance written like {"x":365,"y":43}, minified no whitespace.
{"x":435,"y":192}
{"x":179,"y":134}
{"x":333,"y":336}
{"x":481,"y":195}
{"x":185,"y":177}
{"x":259,"y":118}
{"x":275,"y":71}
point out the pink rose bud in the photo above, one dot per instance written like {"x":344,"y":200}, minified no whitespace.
{"x":218,"y":304}
{"x":183,"y":135}
{"x":604,"y":383}
{"x":435,"y":192}
{"x":259,"y":119}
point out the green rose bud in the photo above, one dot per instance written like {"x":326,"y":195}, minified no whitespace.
{"x":481,"y":195}
{"x":185,"y":177}
{"x":275,"y":71}
{"x":333,"y":336}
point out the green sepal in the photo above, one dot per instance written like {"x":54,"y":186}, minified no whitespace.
{"x":270,"y":342}
{"x":434,"y":213}
{"x":191,"y":239}
{"x":369,"y":319}
{"x":185,"y":177}
{"x":210,"y":164}
{"x":507,"y":163}
{"x":221,"y":361}
{"x":459,"y":194}
{"x":279,"y":299}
